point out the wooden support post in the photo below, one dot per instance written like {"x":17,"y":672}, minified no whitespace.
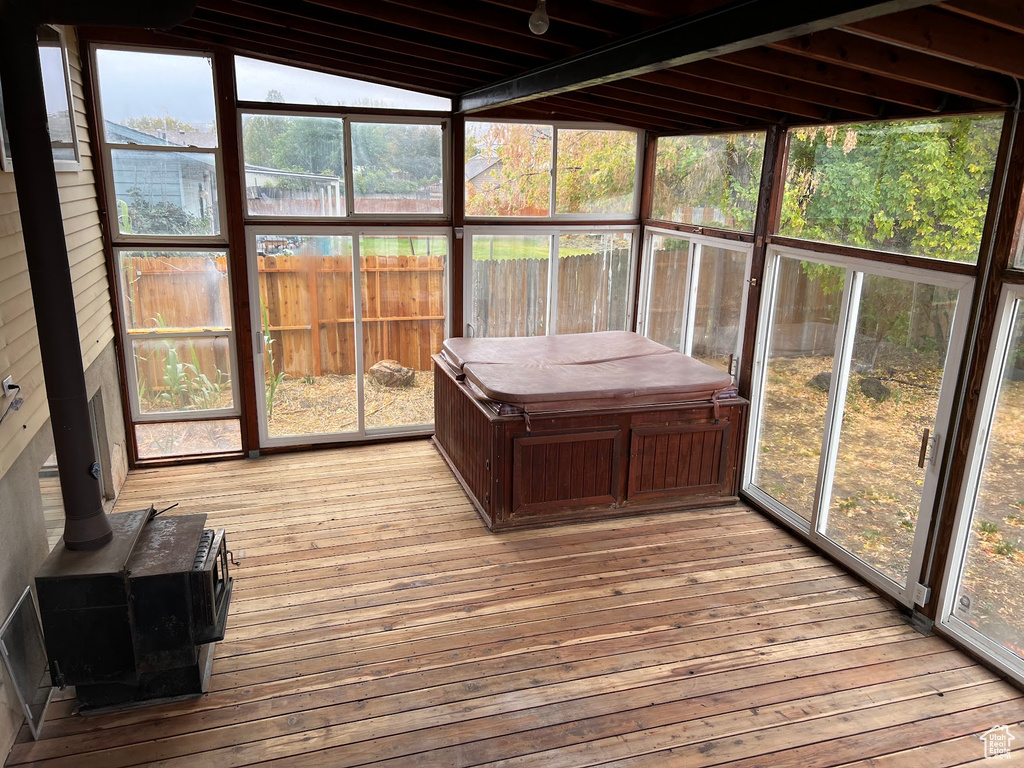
{"x":233,"y":200}
{"x":456,"y":277}
{"x":769,"y":203}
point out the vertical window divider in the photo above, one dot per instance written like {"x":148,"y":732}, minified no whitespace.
{"x":553,"y":284}
{"x":554,"y":170}
{"x":350,"y":193}
{"x":758,"y":364}
{"x":690,"y":316}
{"x":357,"y":329}
{"x":847,"y":334}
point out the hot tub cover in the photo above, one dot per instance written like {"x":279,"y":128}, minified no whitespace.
{"x":643,"y":380}
{"x":566,"y":349}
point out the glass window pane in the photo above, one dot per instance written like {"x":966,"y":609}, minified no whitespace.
{"x":396,"y":168}
{"x":188,"y":438}
{"x":917,"y":187}
{"x":264,"y":81}
{"x":510,"y":285}
{"x":157,"y":98}
{"x":175,"y":290}
{"x":175,"y":375}
{"x":709,"y":180}
{"x":799,"y":360}
{"x":307,"y":315}
{"x":508,"y":169}
{"x":596,"y":171}
{"x":165,"y":193}
{"x":294,"y":166}
{"x":721,"y":285}
{"x":403,"y":311}
{"x":59,"y":114}
{"x":593,"y":282}
{"x":892,"y":396}
{"x":992,"y":577}
{"x":669,"y":263}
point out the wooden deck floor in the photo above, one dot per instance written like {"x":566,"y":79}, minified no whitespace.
{"x":376,"y":621}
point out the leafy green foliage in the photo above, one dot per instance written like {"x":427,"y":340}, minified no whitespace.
{"x":395,"y":158}
{"x":144,"y":217}
{"x":300,"y":144}
{"x":720,"y":172}
{"x":918,"y":187}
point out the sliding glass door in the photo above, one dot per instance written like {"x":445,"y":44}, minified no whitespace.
{"x":344,"y":330}
{"x":982,"y":594}
{"x":851,"y":405}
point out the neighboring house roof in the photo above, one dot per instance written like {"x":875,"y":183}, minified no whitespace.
{"x":478,"y":165}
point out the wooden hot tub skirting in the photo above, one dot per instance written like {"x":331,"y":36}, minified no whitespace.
{"x":530,"y":466}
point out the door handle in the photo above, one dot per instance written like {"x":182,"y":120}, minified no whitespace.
{"x":927,"y":442}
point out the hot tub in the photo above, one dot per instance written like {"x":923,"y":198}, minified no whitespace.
{"x":549,"y":429}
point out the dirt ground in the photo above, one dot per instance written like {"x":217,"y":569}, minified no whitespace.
{"x":306,"y":406}
{"x":878,"y":485}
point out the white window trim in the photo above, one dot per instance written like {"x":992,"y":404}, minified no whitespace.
{"x":128,"y":336}
{"x":553,"y":231}
{"x":60,"y":166}
{"x":974,"y":639}
{"x":696,"y":245}
{"x":552,"y":216}
{"x":809,"y":529}
{"x":353,"y":231}
{"x":350,"y":215}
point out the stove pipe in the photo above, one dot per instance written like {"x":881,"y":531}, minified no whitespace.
{"x":85,"y":525}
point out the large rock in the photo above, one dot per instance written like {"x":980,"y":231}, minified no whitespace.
{"x":874,"y":388}
{"x":822,"y":381}
{"x":391,"y":373}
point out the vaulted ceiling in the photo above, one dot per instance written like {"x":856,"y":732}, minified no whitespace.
{"x":957,"y":56}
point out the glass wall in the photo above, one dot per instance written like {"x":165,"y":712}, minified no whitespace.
{"x":508,"y":170}
{"x":852,"y":396}
{"x":162,"y":157}
{"x":694,"y":296}
{"x":709,"y":181}
{"x":560,"y":280}
{"x":915,"y":187}
{"x":985,"y":581}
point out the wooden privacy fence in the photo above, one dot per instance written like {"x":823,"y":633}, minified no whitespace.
{"x":306,"y":306}
{"x":308,"y":311}
{"x":510,"y":296}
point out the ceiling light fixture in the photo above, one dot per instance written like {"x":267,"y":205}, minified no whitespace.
{"x":539,"y":21}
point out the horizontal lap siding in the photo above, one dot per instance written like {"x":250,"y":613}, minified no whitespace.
{"x":19,"y":345}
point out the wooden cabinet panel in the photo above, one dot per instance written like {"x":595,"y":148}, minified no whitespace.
{"x":567,"y":470}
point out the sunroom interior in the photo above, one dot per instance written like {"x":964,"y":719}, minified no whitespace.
{"x":274,"y":216}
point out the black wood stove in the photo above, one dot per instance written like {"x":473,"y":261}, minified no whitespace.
{"x":134,"y":623}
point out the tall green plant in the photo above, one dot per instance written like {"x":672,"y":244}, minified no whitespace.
{"x":274,"y":378}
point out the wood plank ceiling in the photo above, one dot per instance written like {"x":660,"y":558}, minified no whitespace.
{"x":959,"y":56}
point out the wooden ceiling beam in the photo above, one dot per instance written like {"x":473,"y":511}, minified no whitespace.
{"x":635,"y":92}
{"x":277,"y":51}
{"x":1008,"y":14}
{"x":454,"y":29}
{"x":767,"y":82}
{"x":840,"y":78}
{"x":321,"y":27}
{"x":322,"y":45}
{"x":496,"y":19}
{"x":740,"y":25}
{"x":743,"y":102}
{"x":599,"y":18}
{"x":663,"y":9}
{"x":742,"y":96}
{"x":879,"y":58}
{"x":627,"y":112}
{"x":949,"y":36}
{"x":261,"y":34}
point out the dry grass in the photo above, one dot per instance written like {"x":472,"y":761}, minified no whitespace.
{"x":328,"y":404}
{"x":878,"y":485}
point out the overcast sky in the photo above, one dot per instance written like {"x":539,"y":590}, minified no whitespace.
{"x":134,"y":84}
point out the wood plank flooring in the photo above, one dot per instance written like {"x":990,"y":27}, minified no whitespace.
{"x":377,"y":622}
